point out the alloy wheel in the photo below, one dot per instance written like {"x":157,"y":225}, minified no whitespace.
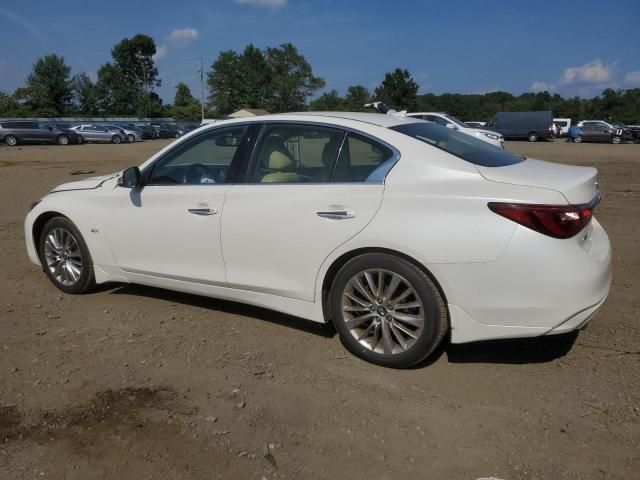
{"x":11,"y":140}
{"x":383,"y":311}
{"x":63,"y":256}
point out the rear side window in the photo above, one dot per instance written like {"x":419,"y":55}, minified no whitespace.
{"x":459,"y":144}
{"x":359,"y":157}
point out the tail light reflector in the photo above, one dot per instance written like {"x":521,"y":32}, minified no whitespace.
{"x":558,"y":221}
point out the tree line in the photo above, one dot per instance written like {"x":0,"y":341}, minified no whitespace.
{"x":276,"y":79}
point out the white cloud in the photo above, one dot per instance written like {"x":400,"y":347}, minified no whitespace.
{"x":183,"y":36}
{"x":264,"y":3}
{"x":632,"y":78}
{"x":592,"y":72}
{"x":161,"y":52}
{"x":542,"y":87}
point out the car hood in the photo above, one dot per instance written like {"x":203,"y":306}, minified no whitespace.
{"x":84,"y":184}
{"x":578,"y":185}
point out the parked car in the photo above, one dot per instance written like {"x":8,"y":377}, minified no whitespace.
{"x":130,"y":134}
{"x":397,"y":230}
{"x":99,"y":134}
{"x":564,"y":124}
{"x":596,"y":132}
{"x":474,"y":124}
{"x":450,"y":121}
{"x":25,"y":131}
{"x":532,"y":126}
{"x":635,"y":132}
{"x":148,"y":132}
{"x":166,"y":130}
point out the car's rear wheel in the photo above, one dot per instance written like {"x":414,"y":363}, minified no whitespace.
{"x":116,"y":139}
{"x":11,"y":140}
{"x":616,"y":140}
{"x":65,"y":256}
{"x":533,"y":137}
{"x":387,"y":311}
{"x":578,"y":139}
{"x":131,"y":138}
{"x":80,"y":140}
{"x":62,"y":140}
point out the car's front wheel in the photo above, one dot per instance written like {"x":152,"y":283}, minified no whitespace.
{"x":533,"y":137}
{"x":116,"y":139}
{"x":62,"y":140}
{"x":65,"y":256}
{"x":387,"y":311}
{"x":11,"y":140}
{"x":131,"y":138}
{"x":578,"y":139}
{"x":616,"y":140}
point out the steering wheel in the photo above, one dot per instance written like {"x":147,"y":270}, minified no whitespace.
{"x":194,"y":174}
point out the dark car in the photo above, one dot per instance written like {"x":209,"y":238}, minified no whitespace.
{"x":532,"y":126}
{"x":147,"y":132}
{"x":599,"y":131}
{"x":167,"y":130}
{"x":18,"y":132}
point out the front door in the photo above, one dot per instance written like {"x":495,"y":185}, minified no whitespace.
{"x":306,"y":193}
{"x":170,"y":227}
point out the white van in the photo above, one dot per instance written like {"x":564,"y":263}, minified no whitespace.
{"x":564,"y":124}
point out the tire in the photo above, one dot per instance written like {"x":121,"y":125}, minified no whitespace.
{"x":616,"y":140}
{"x":62,"y":140}
{"x":176,"y":135}
{"x":379,"y":339}
{"x":533,"y":137}
{"x":11,"y":140}
{"x":116,"y":139}
{"x":131,"y":138}
{"x":80,"y":140}
{"x":65,"y":256}
{"x":578,"y":139}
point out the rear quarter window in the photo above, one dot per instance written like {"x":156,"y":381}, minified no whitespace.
{"x":459,"y":144}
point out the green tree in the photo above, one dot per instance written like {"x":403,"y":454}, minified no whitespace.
{"x":328,"y":102}
{"x":291,"y":79}
{"x":356,"y":98}
{"x":85,"y":93}
{"x":125,"y":87}
{"x":11,"y":107}
{"x":254,"y":77}
{"x":223,"y":80}
{"x":185,"y":105}
{"x":49,"y":90}
{"x":398,"y":90}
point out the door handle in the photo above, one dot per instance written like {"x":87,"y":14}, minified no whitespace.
{"x":203,"y":211}
{"x":336,"y":212}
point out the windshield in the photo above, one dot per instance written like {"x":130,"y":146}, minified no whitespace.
{"x":618,"y":124}
{"x":459,"y":144}
{"x":458,"y":122}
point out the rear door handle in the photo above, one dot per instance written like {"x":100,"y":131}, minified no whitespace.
{"x":203,"y":211}
{"x":336,"y":212}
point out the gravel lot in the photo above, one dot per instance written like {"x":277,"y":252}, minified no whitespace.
{"x":133,"y":382}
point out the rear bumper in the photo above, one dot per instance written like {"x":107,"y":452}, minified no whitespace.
{"x":539,"y":286}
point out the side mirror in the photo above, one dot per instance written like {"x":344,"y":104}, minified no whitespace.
{"x":130,"y":178}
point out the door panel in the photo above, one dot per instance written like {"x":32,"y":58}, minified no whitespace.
{"x":153,"y":231}
{"x":274,"y":241}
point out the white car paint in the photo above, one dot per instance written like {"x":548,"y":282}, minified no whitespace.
{"x":494,"y":138}
{"x":564,"y":129}
{"x":266,"y":246}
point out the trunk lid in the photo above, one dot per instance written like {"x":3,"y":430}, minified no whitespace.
{"x":579,"y":185}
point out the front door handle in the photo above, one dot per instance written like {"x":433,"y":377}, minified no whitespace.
{"x":203,"y":211}
{"x":336,"y":212}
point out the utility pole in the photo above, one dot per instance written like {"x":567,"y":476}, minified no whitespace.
{"x":202,"y":88}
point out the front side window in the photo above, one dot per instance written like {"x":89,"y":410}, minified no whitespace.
{"x":459,"y":144}
{"x":205,"y":159}
{"x":296,"y":154}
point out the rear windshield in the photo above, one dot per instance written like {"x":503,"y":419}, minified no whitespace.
{"x":459,"y":144}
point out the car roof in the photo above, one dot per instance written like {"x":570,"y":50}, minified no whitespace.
{"x":379,"y":119}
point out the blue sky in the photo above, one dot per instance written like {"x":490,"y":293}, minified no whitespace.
{"x":570,"y":47}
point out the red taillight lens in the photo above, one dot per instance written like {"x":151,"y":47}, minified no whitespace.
{"x":558,"y":221}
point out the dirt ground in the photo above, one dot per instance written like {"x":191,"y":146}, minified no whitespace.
{"x":134,"y":383}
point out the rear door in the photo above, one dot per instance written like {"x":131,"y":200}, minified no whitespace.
{"x":308,"y":189}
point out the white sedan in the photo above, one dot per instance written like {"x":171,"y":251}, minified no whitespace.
{"x":396,"y":230}
{"x":494,"y":138}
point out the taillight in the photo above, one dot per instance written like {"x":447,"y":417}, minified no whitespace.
{"x":558,"y":221}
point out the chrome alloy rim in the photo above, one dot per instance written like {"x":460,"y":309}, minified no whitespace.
{"x":63,"y":256}
{"x":382,"y":311}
